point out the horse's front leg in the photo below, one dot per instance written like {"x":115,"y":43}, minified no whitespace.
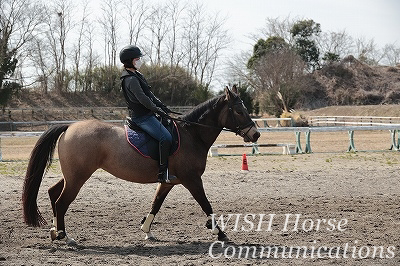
{"x":197,"y":190}
{"x":161,"y":193}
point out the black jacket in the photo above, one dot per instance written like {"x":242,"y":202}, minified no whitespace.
{"x":138,"y":96}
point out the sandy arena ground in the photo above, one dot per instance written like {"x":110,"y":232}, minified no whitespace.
{"x":357,"y":193}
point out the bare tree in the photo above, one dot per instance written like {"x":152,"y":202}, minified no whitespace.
{"x":44,"y":68}
{"x":90,"y":58}
{"x":59,"y":24}
{"x":192,"y":32}
{"x":279,"y":70}
{"x":77,"y":49}
{"x":391,"y":54}
{"x":19,"y":23}
{"x":110,"y":22}
{"x":338,"y":43}
{"x":276,"y":27}
{"x":216,"y":39}
{"x":175,"y":53}
{"x":204,"y":39}
{"x":367,"y":51}
{"x":158,"y":28}
{"x":136,"y":18}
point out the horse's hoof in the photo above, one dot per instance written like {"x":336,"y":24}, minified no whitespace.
{"x":149,"y":236}
{"x":53,"y":233}
{"x":223,"y":237}
{"x":70,"y":242}
{"x":61,"y":236}
{"x":215,"y":231}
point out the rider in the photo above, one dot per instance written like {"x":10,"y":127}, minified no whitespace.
{"x":143,"y":105}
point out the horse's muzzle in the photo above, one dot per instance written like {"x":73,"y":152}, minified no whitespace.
{"x":250,"y":134}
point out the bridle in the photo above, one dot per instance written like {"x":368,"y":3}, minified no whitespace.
{"x":237,"y":129}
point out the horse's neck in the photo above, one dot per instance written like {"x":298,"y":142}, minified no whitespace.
{"x":208,"y":133}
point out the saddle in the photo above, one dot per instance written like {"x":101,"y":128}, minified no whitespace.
{"x":146,"y":145}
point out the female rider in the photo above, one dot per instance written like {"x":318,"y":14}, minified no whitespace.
{"x":143,"y":105}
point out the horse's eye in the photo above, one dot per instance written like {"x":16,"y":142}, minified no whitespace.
{"x":239,"y":112}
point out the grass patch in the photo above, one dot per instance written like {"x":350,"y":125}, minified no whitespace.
{"x":17,"y":168}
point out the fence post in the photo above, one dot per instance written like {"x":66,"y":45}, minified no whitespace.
{"x":395,"y":146}
{"x":351,"y":144}
{"x":1,"y":158}
{"x":308,"y":142}
{"x":298,"y":144}
{"x":255,"y":148}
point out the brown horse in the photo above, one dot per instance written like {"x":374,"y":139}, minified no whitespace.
{"x":86,"y":146}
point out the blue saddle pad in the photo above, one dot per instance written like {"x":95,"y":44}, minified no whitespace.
{"x":148,"y":146}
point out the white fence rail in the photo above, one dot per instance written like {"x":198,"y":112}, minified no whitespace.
{"x":352,"y":120}
{"x":392,"y":128}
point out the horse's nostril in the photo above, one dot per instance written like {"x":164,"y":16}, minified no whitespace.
{"x":256,"y":135}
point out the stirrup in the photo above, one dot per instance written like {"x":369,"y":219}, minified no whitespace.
{"x":164,"y":177}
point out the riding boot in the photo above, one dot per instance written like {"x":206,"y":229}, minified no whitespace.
{"x":163,"y":176}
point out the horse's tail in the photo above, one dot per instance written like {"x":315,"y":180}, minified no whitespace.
{"x":41,"y":159}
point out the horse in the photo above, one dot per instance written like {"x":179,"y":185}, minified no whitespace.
{"x":85,"y":146}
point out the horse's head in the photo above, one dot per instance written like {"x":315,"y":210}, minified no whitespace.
{"x":236,"y":117}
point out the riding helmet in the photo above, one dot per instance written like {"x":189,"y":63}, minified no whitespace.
{"x":129,"y":52}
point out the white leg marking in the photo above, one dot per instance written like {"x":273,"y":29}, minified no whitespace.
{"x":147,"y":223}
{"x":214,"y":229}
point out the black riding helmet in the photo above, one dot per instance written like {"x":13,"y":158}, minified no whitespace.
{"x":129,"y":52}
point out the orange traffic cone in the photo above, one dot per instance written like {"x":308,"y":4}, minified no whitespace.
{"x":245,"y":167}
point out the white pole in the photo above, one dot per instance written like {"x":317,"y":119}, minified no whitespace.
{"x":1,"y":158}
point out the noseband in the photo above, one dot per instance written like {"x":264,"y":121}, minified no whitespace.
{"x":238,"y":129}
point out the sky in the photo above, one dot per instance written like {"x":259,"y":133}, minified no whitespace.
{"x":377,"y":19}
{"x":368,"y":19}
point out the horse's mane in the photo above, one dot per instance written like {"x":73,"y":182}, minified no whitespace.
{"x":200,"y":110}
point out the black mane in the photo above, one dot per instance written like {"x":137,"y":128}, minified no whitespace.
{"x":201,"y":109}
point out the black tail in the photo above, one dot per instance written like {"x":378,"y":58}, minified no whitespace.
{"x":41,"y":159}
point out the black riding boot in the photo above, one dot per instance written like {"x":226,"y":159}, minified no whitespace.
{"x":163,"y":176}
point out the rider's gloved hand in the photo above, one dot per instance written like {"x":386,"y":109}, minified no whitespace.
{"x":162,"y":113}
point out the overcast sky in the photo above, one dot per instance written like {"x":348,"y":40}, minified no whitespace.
{"x":378,"y":19}
{"x":369,"y":19}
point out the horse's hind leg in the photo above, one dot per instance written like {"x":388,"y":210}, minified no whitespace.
{"x":68,"y":194}
{"x":54,"y":193}
{"x":162,"y":191}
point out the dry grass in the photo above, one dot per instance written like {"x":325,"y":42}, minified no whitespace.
{"x":390,"y":110}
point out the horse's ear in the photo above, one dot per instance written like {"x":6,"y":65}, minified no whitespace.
{"x":234,"y":89}
{"x":228,"y":93}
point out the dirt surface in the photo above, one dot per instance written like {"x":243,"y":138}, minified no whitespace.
{"x":354,"y":196}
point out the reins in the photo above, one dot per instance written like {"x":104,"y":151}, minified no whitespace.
{"x":199,"y":124}
{"x":237,"y":130}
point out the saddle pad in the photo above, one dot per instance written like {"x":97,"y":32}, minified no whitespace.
{"x":147,"y":146}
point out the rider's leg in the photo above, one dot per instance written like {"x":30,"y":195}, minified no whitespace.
{"x":154,"y":128}
{"x":164,"y":149}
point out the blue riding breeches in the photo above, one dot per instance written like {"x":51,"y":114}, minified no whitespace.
{"x":154,"y":128}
